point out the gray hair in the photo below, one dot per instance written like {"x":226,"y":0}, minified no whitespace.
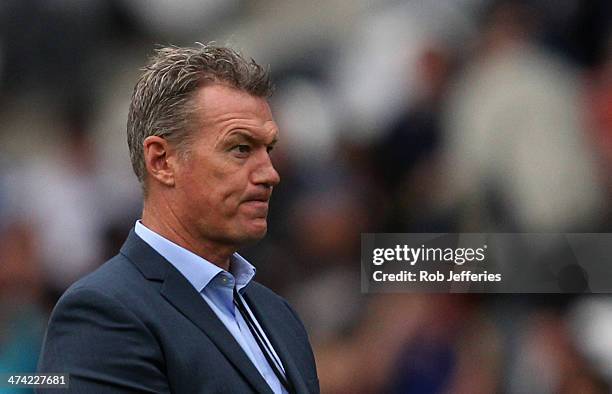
{"x":162,"y":98}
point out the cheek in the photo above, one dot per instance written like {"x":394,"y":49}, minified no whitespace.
{"x":219,"y":201}
{"x":216,"y":189}
{"x":230,"y":189}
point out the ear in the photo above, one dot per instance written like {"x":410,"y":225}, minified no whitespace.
{"x":159,"y":160}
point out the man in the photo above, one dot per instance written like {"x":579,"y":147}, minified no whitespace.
{"x":177,"y":310}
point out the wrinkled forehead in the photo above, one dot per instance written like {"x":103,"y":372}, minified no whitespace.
{"x":215,"y":101}
{"x":222,"y":110}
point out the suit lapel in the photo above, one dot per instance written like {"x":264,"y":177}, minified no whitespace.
{"x":278,"y":340}
{"x":179,"y":292}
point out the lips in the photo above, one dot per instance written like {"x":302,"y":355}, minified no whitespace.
{"x":258,"y":197}
{"x":257,"y":204}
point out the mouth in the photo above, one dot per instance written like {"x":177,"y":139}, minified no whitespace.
{"x":257,"y":205}
{"x":263,"y":198}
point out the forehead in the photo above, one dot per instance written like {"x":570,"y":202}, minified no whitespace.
{"x":217,"y":104}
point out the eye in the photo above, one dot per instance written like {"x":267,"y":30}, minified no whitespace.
{"x":241,"y":150}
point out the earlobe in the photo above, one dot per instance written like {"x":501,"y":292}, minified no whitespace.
{"x":157,"y":156}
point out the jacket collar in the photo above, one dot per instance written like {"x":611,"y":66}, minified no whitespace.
{"x":177,"y":290}
{"x":181,"y":294}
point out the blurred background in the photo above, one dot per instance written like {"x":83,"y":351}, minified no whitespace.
{"x":395,"y":116}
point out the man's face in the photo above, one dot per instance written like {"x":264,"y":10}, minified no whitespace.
{"x":225,"y":182}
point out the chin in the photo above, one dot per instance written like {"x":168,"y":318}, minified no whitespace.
{"x":254,"y":232}
{"x":258,"y":234}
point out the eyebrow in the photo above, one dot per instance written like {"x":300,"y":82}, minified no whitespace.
{"x":247,"y":135}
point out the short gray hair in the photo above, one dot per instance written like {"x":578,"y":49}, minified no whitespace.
{"x":162,"y":98}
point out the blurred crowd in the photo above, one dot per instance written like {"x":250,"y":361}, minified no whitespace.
{"x":395,"y":116}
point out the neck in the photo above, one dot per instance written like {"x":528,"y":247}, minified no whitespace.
{"x":161,"y":219}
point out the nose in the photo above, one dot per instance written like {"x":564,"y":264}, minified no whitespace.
{"x":265,"y":174}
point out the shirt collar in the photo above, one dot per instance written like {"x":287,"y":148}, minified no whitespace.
{"x":198,"y":271}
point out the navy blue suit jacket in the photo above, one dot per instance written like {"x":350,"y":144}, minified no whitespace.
{"x":137,"y":325}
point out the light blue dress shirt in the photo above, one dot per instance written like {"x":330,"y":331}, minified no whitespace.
{"x":216,"y":286}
